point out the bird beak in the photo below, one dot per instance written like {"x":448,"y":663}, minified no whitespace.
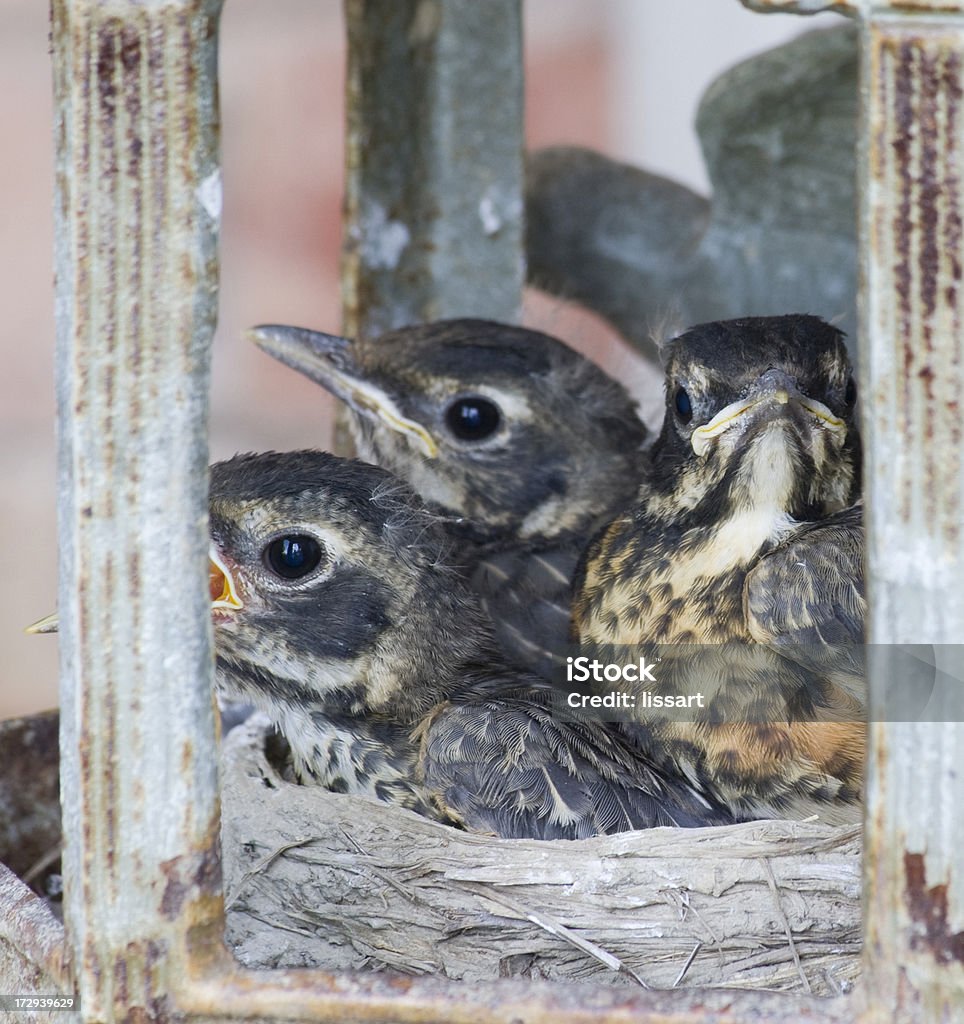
{"x":773,"y":392}
{"x":48,"y":624}
{"x":224,"y":591}
{"x":330,"y":361}
{"x":224,"y":595}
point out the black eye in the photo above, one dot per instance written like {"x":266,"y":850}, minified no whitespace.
{"x":293,"y":557}
{"x":850,"y":395}
{"x":684,"y":408}
{"x":473,"y":418}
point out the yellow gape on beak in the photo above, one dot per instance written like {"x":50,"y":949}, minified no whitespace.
{"x":720,"y":423}
{"x":224,"y":594}
{"x":735,"y":411}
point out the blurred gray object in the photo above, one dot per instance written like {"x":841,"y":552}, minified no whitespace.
{"x":778,"y":235}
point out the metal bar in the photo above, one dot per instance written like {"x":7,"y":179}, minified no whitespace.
{"x":434,"y":183}
{"x":378,"y":999}
{"x":912,"y":363}
{"x":137,"y":213}
{"x":911,"y":311}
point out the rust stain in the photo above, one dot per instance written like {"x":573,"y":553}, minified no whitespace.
{"x":928,"y":912}
{"x":157,"y":141}
{"x":110,"y":788}
{"x":952,"y":246}
{"x":952,"y":226}
{"x":130,"y":54}
{"x":930,"y":183}
{"x":107,"y":94}
{"x":181,"y":25}
{"x":121,"y":988}
{"x":929,"y":186}
{"x":926,"y":6}
{"x":902,"y":144}
{"x":919,"y":95}
{"x":130,"y":50}
{"x":399,"y":984}
{"x":190,"y":877}
{"x":139,"y":593}
{"x":106,"y":54}
{"x":175,"y":893}
{"x":131,"y":58}
{"x":137,"y":993}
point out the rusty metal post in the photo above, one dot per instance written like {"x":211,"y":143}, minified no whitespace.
{"x":912,"y":313}
{"x":137,"y":214}
{"x":912,"y":343}
{"x":434,"y":179}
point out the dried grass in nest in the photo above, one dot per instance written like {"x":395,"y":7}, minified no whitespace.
{"x":320,"y":879}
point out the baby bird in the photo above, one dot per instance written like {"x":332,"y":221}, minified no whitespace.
{"x":742,"y":559}
{"x":336,"y":611}
{"x":524,"y":445}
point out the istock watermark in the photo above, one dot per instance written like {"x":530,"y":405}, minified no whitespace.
{"x":753,"y":683}
{"x":582,"y":669}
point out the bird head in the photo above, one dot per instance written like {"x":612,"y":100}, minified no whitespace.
{"x":331,"y":591}
{"x":761,"y":408}
{"x":500,"y":425}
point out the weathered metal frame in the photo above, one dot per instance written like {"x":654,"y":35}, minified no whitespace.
{"x":137,"y":219}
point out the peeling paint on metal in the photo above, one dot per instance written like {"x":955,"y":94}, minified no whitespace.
{"x":496,"y":208}
{"x":382,"y":240}
{"x":210,"y":195}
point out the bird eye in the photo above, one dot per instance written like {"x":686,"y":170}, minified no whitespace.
{"x":473,"y":418}
{"x":850,"y":395}
{"x":293,"y":557}
{"x":684,"y":408}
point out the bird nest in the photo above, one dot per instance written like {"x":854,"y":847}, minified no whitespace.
{"x":319,"y":879}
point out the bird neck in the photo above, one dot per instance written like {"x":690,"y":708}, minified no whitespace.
{"x":424,"y":655}
{"x":672,"y":569}
{"x":767,"y":482}
{"x":733,"y":510}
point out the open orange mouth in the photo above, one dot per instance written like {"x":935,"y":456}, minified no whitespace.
{"x":221,"y":586}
